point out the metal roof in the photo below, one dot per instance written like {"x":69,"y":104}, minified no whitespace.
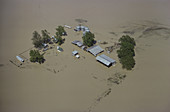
{"x":75,"y":42}
{"x":108,"y":58}
{"x":102,"y":60}
{"x":75,"y":52}
{"x":105,"y":60}
{"x":79,"y":44}
{"x":95,"y":50}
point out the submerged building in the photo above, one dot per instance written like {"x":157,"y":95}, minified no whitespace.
{"x":95,"y":50}
{"x":105,"y":60}
{"x":78,"y":43}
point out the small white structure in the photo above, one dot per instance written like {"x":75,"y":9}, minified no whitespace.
{"x":77,"y":56}
{"x":66,"y":26}
{"x":20,"y":59}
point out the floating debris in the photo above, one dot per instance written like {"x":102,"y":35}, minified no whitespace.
{"x":110,"y":49}
{"x":104,"y":42}
{"x":129,"y":32}
{"x":81,"y":20}
{"x":1,"y":65}
{"x":117,"y":78}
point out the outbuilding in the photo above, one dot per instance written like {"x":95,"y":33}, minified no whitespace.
{"x":20,"y":59}
{"x":78,"y":43}
{"x":105,"y":60}
{"x":74,"y":53}
{"x":95,"y":50}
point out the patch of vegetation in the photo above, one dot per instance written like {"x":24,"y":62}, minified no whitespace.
{"x":129,"y":32}
{"x":126,"y":52}
{"x":1,"y":65}
{"x":104,"y":42}
{"x":88,"y":39}
{"x":80,"y":20}
{"x":35,"y":56}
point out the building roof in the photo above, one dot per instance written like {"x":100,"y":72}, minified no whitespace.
{"x":108,"y":58}
{"x":75,"y":42}
{"x":78,"y":43}
{"x":95,"y":50}
{"x":105,"y":60}
{"x":102,"y":60}
{"x":75,"y":52}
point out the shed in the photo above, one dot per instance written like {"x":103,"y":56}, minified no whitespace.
{"x":79,"y":44}
{"x":75,"y":42}
{"x":20,"y":59}
{"x":74,"y":53}
{"x":95,"y":50}
{"x":105,"y":60}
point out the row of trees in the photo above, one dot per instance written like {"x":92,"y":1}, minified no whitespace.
{"x":35,"y":56}
{"x":38,"y":40}
{"x":126,"y":52}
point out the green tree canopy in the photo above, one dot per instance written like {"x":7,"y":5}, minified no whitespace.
{"x":127,"y":39}
{"x":60,"y":40}
{"x":126,"y":52}
{"x":45,"y":36}
{"x":60,"y":31}
{"x":88,"y":39}
{"x":37,"y":39}
{"x":35,"y":56}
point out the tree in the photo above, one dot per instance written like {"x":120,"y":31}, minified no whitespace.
{"x":37,"y":40}
{"x":88,"y":39}
{"x":126,"y":52}
{"x":60,"y":31}
{"x":35,"y":56}
{"x":45,"y":36}
{"x":60,"y":40}
{"x":127,"y":38}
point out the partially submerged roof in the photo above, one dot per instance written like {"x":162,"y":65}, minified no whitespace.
{"x":75,"y":52}
{"x":78,"y":43}
{"x":95,"y":50}
{"x":108,"y":58}
{"x":105,"y":60}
